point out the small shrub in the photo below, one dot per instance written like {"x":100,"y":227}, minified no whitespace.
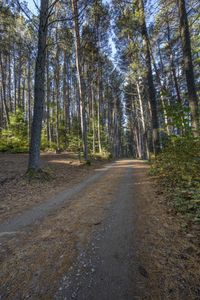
{"x":14,"y":139}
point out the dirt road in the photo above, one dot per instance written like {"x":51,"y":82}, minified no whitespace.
{"x":106,"y":269}
{"x":99,"y":240}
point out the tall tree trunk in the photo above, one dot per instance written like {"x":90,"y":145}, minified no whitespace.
{"x":48,"y":94}
{"x":65,"y":96}
{"x":163,"y":89}
{"x":15,"y":79}
{"x":93,"y":119}
{"x":19,"y":79}
{"x":188,"y":66}
{"x":80,"y":79}
{"x":3,"y":64}
{"x":144,"y":132}
{"x":23,"y":94}
{"x":29,"y":101}
{"x":69,"y":83}
{"x":99,"y":113}
{"x":39,"y":89}
{"x":10,"y":81}
{"x":149,"y":76}
{"x":173,"y":68}
{"x":57,"y":86}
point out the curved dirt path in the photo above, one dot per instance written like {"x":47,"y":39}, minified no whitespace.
{"x":110,"y":237}
{"x":80,"y":244}
{"x":40,"y":211}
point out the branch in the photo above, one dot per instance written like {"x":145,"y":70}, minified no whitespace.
{"x":51,"y":7}
{"x":69,"y":19}
{"x":36,"y":5}
{"x":53,"y":4}
{"x":26,"y":14}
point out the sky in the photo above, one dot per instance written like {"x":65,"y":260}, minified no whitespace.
{"x":33,"y":9}
{"x":31,"y":6}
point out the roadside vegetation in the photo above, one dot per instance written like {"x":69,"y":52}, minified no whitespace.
{"x":178,"y":171}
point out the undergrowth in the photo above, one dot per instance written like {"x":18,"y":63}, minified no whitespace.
{"x":178,"y":170}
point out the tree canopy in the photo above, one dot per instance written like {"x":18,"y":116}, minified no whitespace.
{"x":59,"y":76}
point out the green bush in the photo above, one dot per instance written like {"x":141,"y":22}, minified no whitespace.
{"x":15,"y":137}
{"x":178,"y":167}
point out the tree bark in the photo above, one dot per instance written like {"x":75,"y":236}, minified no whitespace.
{"x":99,"y":113}
{"x":144,"y":132}
{"x":3,"y":65}
{"x":93,"y":119}
{"x":173,"y":68}
{"x":80,"y":79}
{"x":149,"y":76}
{"x":188,"y":66}
{"x":57,"y":86}
{"x":48,"y":100}
{"x":39,"y":89}
{"x":29,"y":101}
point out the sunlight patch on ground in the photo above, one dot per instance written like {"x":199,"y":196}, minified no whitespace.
{"x":141,"y":182}
{"x":67,"y":162}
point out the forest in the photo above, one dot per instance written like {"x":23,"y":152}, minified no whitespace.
{"x":103,"y":79}
{"x":63,"y":88}
{"x":100,"y":149}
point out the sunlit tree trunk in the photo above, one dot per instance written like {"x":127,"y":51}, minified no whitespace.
{"x":144,"y":132}
{"x":29,"y":100}
{"x":48,"y":100}
{"x":149,"y":77}
{"x":99,"y":113}
{"x":3,"y":64}
{"x":93,"y":119}
{"x":188,"y":66}
{"x":57,"y":94}
{"x":80,"y":79}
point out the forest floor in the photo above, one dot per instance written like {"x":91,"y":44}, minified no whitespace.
{"x":109,"y":234}
{"x":17,"y":194}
